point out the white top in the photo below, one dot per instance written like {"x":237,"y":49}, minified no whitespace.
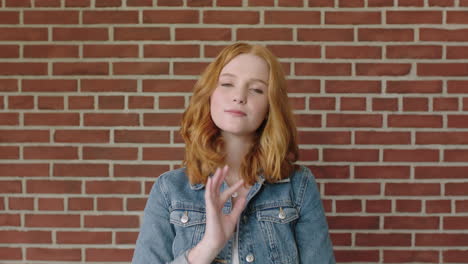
{"x":235,"y":246}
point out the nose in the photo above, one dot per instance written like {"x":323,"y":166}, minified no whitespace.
{"x":240,"y":96}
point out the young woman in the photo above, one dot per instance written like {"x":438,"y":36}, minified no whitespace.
{"x":240,"y":198}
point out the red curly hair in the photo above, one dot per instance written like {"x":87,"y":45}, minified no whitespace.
{"x":275,"y":146}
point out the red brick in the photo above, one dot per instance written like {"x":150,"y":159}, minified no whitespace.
{"x":382,"y":172}
{"x":411,"y":222}
{"x":139,"y":170}
{"x":9,"y":17}
{"x":189,"y":68}
{"x":406,"y":256}
{"x":10,"y":253}
{"x":10,"y":220}
{"x":348,"y":206}
{"x":9,"y":51}
{"x":80,"y":102}
{"x":23,"y":68}
{"x":323,"y":69}
{"x":52,"y":152}
{"x":230,"y":2}
{"x":51,"y":17}
{"x":435,"y":34}
{"x":292,"y":17}
{"x":383,"y":240}
{"x":9,"y":119}
{"x":445,"y":104}
{"x":233,"y":17}
{"x":161,"y":119}
{"x":414,"y":52}
{"x":136,"y":204}
{"x":53,"y":186}
{"x":111,"y":102}
{"x":80,"y":34}
{"x":382,"y":138}
{"x":82,"y":136}
{"x":110,"y":17}
{"x":139,"y":136}
{"x":414,"y":17}
{"x":350,"y":4}
{"x":109,"y":119}
{"x":455,"y":256}
{"x":49,"y":85}
{"x":261,"y":3}
{"x":438,"y":206}
{"x":81,"y":170}
{"x":378,"y":206}
{"x":324,"y":137}
{"x":170,"y":2}
{"x":80,"y":204}
{"x":21,"y":203}
{"x":139,"y":2}
{"x":340,"y":239}
{"x":171,"y":51}
{"x":381,"y":69}
{"x":108,"y":3}
{"x":110,"y":51}
{"x":354,"y":120}
{"x":414,"y":155}
{"x":140,"y":68}
{"x":9,"y":152}
{"x":408,"y":206}
{"x":24,"y":170}
{"x":354,"y":18}
{"x":380,"y":3}
{"x":141,"y":33}
{"x":264,"y":34}
{"x":47,"y":3}
{"x":430,"y":121}
{"x":412,"y":189}
{"x":437,"y":239}
{"x":114,"y":85}
{"x":385,"y":34}
{"x":457,"y":121}
{"x":8,"y":85}
{"x":21,"y":102}
{"x":168,"y":85}
{"x":23,"y":34}
{"x":51,"y":119}
{"x":353,"y":52}
{"x":411,"y":3}
{"x":10,"y":186}
{"x":352,"y":86}
{"x":445,"y":138}
{"x":81,"y":68}
{"x":126,"y":237}
{"x":52,"y":220}
{"x":51,"y":204}
{"x":325,"y":34}
{"x":203,"y":34}
{"x":111,"y":221}
{"x":27,"y":237}
{"x":108,"y":254}
{"x":112,"y":187}
{"x":75,"y":3}
{"x":353,"y":222}
{"x":51,"y":102}
{"x":161,"y":153}
{"x":442,"y":172}
{"x":357,"y":256}
{"x":295,"y":51}
{"x":414,"y":87}
{"x":83,"y":237}
{"x":110,"y":153}
{"x":352,"y":104}
{"x":109,"y":204}
{"x":456,"y":188}
{"x":356,"y":155}
{"x":442,"y":69}
{"x":140,"y":102}
{"x":342,"y":188}
{"x":456,"y":155}
{"x":53,"y":254}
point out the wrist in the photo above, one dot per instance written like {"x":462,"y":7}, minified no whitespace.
{"x":202,"y":253}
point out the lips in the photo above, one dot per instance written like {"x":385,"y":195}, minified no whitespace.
{"x":236,"y":112}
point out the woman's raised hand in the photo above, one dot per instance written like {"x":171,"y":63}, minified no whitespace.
{"x":219,"y":226}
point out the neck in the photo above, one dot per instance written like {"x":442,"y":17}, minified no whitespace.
{"x":236,"y":147}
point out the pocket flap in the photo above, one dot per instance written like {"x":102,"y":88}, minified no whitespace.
{"x":187,"y":218}
{"x":279,"y":215}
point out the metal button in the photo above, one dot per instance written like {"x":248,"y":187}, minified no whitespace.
{"x":234,"y":195}
{"x":184,"y":219}
{"x":281,"y":214}
{"x":250,"y":257}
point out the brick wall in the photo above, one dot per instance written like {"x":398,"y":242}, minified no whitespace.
{"x":92,"y":91}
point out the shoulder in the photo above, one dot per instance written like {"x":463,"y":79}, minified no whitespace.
{"x":304,"y":186}
{"x":176,"y":178}
{"x":302,"y":175}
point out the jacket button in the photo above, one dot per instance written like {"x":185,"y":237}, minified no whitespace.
{"x":250,"y":258}
{"x":184,"y":219}
{"x":281,"y":214}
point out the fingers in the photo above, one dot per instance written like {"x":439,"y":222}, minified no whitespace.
{"x":227,"y":193}
{"x":238,"y":208}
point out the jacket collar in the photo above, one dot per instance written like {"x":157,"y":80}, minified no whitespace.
{"x":260,"y":180}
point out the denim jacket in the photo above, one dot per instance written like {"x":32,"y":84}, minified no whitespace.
{"x":283,"y":222}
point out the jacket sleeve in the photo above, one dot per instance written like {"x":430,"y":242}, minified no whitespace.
{"x":154,"y":243}
{"x":311,"y":230}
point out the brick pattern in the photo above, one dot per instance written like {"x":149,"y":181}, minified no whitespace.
{"x":92,"y":92}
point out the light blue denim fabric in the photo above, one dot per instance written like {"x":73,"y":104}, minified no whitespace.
{"x":282,"y":223}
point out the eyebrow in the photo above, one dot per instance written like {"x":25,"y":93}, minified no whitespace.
{"x":254,"y":79}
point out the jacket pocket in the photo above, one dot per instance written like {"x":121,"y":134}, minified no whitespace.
{"x":189,"y":228}
{"x":277,"y":225}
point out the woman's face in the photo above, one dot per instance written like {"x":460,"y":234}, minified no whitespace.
{"x":239,"y":104}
